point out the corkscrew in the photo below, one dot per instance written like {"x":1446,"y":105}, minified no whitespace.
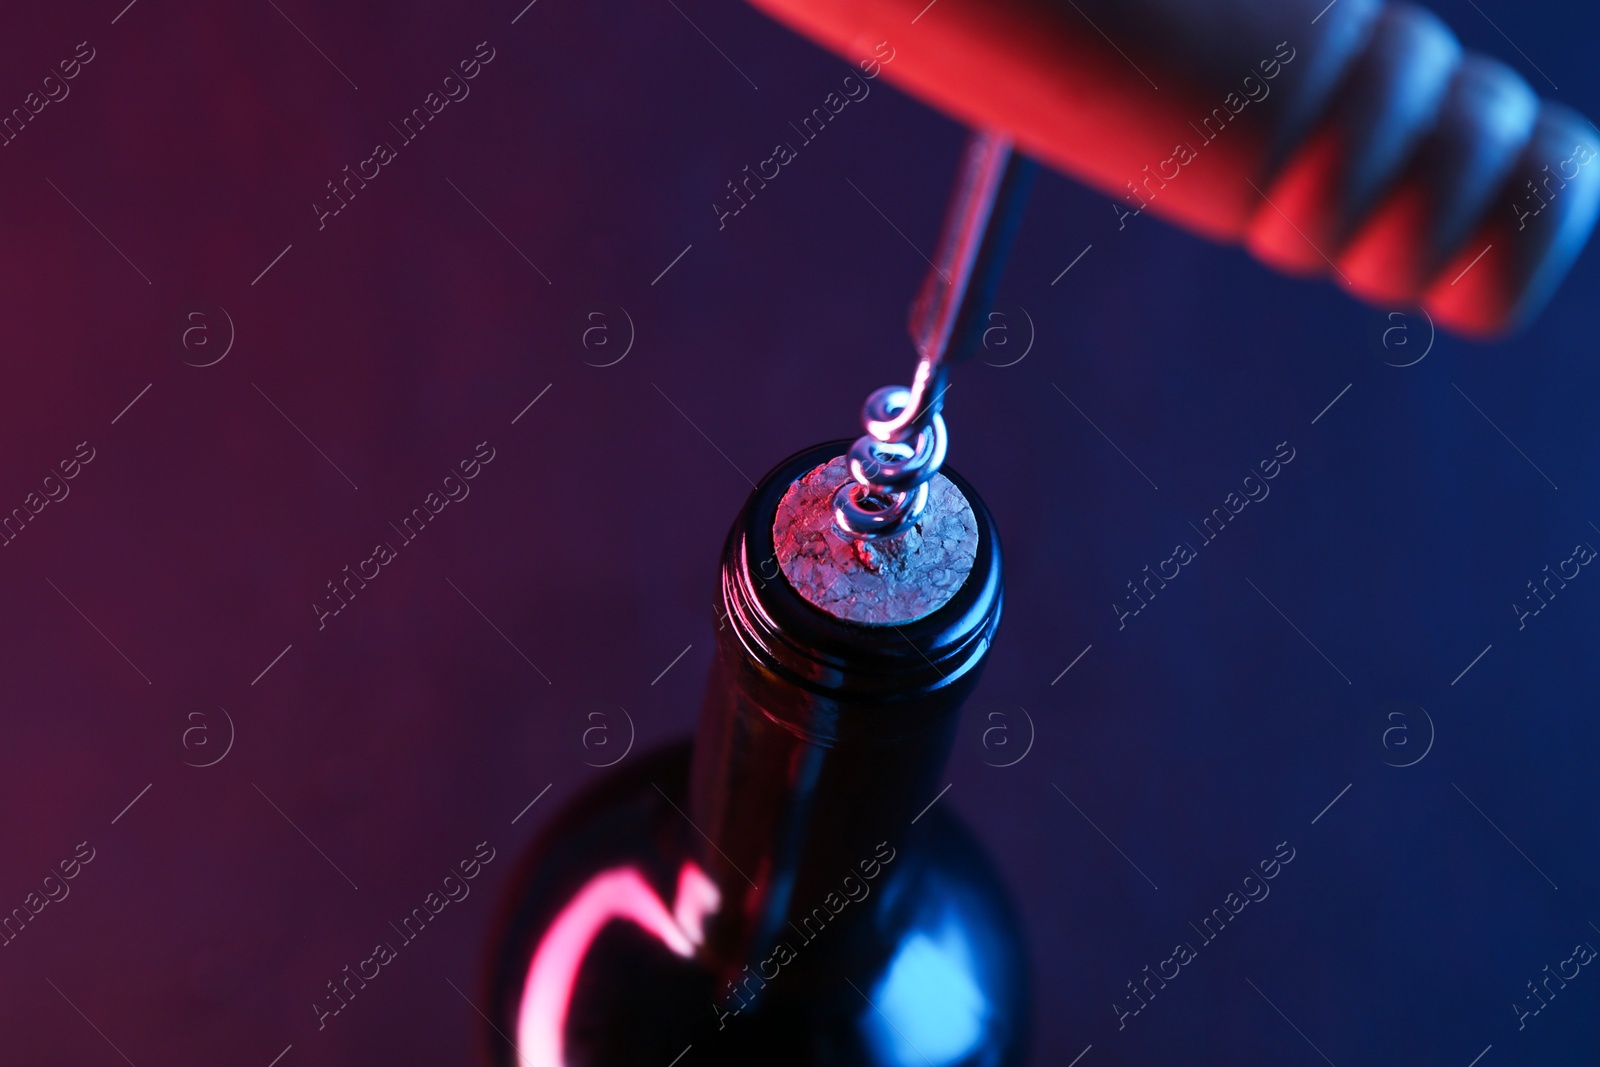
{"x":906,"y":439}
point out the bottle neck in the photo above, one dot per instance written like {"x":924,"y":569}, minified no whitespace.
{"x":821,"y":739}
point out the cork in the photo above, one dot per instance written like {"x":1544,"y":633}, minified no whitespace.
{"x":887,"y":582}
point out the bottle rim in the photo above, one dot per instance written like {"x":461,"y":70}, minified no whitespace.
{"x":789,"y":640}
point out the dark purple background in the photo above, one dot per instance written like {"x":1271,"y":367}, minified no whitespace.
{"x":408,"y":330}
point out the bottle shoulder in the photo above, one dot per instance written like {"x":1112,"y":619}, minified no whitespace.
{"x":916,"y":948}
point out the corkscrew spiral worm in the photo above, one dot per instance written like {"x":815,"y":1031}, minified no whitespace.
{"x":906,"y":438}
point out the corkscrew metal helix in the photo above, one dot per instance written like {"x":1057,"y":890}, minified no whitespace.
{"x":906,"y":439}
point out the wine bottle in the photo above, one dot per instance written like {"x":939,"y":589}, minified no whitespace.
{"x":791,"y":890}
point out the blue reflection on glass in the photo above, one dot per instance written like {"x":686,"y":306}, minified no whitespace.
{"x":929,"y":1006}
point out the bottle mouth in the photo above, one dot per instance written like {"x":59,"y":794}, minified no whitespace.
{"x":887,"y":581}
{"x":918,"y":642}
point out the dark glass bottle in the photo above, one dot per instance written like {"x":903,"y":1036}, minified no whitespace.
{"x":783,"y":893}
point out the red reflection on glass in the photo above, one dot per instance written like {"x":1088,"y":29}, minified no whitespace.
{"x":618,"y":893}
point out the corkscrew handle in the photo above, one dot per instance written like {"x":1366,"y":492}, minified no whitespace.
{"x":1356,"y":140}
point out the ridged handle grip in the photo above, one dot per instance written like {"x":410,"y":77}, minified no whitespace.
{"x":1356,"y":140}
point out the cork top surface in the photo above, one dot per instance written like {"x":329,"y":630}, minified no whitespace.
{"x":887,"y":582}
